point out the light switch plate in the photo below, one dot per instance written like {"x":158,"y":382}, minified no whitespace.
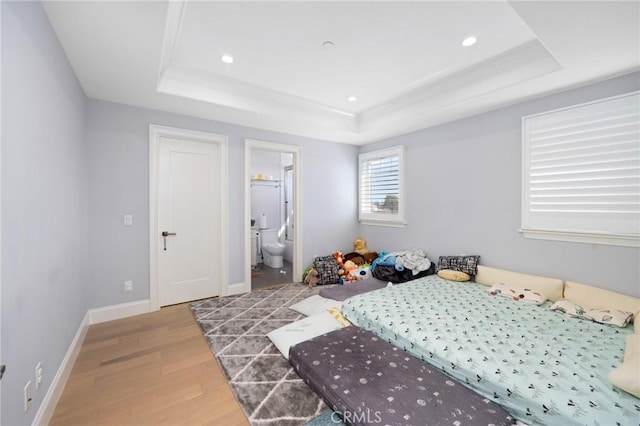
{"x":127,"y":220}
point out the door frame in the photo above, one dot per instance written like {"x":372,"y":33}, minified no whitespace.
{"x":155,"y":133}
{"x":1,"y":204}
{"x":251,"y":144}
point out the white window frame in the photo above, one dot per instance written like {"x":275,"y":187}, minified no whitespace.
{"x":582,"y":236}
{"x":380,"y":219}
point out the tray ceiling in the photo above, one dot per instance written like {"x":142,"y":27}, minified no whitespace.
{"x":297,"y":63}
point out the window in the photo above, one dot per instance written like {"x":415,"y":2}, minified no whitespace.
{"x":581,"y":173}
{"x":381,"y":187}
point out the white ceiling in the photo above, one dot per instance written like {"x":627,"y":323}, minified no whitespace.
{"x":404,"y":61}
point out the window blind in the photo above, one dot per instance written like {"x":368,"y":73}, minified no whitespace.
{"x":581,"y":168}
{"x":380,"y":188}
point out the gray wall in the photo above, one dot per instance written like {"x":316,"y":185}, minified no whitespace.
{"x":268,"y":199}
{"x":44,"y":205}
{"x":118,"y":153}
{"x":463,"y":196}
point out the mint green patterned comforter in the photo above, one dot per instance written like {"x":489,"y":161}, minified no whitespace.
{"x":543,"y":367}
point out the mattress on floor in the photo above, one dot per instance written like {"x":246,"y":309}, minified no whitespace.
{"x":369,"y":381}
{"x":543,"y":367}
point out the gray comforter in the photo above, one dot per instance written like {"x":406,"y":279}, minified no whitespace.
{"x":343,"y":292}
{"x":369,"y":381}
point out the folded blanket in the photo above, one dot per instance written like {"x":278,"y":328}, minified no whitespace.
{"x":343,"y":292}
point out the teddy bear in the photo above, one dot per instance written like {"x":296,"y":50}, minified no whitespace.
{"x":360,"y":246}
{"x":312,"y":278}
{"x":354,"y":257}
{"x":370,"y":257}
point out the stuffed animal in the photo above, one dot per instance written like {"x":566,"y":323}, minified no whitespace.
{"x":349,"y":269}
{"x":306,"y":271}
{"x":312,"y":278}
{"x":354,"y":257}
{"x":360,"y":246}
{"x":363,"y":272}
{"x":349,"y":266}
{"x":370,"y":257}
{"x":340,"y":261}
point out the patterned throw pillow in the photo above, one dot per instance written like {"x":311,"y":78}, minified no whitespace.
{"x":568,"y":307}
{"x":603,"y":316}
{"x":327,"y":268}
{"x":466,"y":264}
{"x":610,"y":316}
{"x":517,"y":293}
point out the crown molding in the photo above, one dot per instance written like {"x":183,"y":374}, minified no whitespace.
{"x":449,"y":94}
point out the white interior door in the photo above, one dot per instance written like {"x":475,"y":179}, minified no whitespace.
{"x":188,"y":191}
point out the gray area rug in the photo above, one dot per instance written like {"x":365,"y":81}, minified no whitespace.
{"x":268,"y":389}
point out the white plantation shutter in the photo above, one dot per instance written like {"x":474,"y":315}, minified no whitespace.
{"x":581,"y":171}
{"x":380,"y":188}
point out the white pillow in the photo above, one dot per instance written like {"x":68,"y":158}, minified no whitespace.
{"x":315,"y":304}
{"x":302,"y":330}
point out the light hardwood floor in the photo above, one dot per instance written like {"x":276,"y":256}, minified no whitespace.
{"x":148,"y":369}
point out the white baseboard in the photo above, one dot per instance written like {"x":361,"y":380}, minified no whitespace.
{"x":114,"y":312}
{"x":48,"y":406}
{"x":236,"y":288}
{"x":93,"y":316}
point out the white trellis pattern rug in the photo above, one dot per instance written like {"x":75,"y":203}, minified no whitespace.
{"x":264,"y":383}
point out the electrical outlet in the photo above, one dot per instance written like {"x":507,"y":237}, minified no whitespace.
{"x":127,"y":220}
{"x":38,"y":375}
{"x":28,"y":398}
{"x":128,"y":286}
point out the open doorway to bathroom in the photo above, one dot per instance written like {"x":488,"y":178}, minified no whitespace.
{"x":272,"y":202}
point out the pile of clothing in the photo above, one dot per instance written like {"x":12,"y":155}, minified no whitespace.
{"x":401,"y":266}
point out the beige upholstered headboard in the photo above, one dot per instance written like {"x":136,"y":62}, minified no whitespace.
{"x":551,"y":288}
{"x":592,"y":297}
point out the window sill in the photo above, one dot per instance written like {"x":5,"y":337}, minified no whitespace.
{"x":580,"y":237}
{"x":390,"y":224}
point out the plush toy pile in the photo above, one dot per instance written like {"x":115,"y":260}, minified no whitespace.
{"x":350,"y":267}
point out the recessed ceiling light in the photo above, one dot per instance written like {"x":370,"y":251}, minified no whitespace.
{"x":352,"y":98}
{"x":227,"y":59}
{"x":327,"y":44}
{"x":469,"y":41}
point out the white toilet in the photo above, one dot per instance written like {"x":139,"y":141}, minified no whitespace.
{"x":272,"y":249}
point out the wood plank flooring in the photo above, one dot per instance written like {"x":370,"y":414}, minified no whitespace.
{"x":151,"y":369}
